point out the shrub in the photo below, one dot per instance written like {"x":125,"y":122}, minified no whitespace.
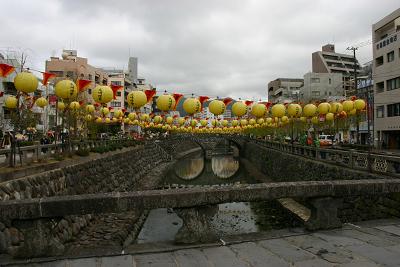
{"x":82,"y":152}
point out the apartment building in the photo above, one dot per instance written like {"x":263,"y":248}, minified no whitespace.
{"x":73,"y":67}
{"x":284,"y":90}
{"x":329,"y":61}
{"x":386,"y":76}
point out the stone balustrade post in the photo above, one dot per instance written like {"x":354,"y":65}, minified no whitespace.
{"x":324,"y":214}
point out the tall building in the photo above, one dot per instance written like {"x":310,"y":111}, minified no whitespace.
{"x":7,"y":89}
{"x":386,"y":75}
{"x":133,"y":69}
{"x":328,"y":61}
{"x":73,"y":67}
{"x":118,"y":77}
{"x":322,"y":86}
{"x":284,"y":90}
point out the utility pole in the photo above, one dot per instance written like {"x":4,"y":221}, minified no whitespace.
{"x":355,"y":86}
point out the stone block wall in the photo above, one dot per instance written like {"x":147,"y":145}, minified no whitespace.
{"x":115,"y":171}
{"x":283,"y":167}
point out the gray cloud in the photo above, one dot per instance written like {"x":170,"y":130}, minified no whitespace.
{"x":219,"y":48}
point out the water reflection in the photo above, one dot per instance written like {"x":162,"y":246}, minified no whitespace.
{"x":189,"y":168}
{"x":225,"y":166}
{"x":219,"y":166}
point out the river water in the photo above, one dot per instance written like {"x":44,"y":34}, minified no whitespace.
{"x":229,"y":218}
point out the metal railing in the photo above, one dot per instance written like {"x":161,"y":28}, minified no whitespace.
{"x":26,"y":155}
{"x":351,"y":158}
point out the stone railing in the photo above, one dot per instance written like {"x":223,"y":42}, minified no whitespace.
{"x":359,"y":160}
{"x":33,"y":217}
{"x":38,"y":153}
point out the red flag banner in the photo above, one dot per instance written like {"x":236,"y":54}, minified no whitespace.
{"x":248,"y":102}
{"x":203,"y":99}
{"x":116,"y":88}
{"x":52,"y":99}
{"x":1,"y":94}
{"x":177,"y":98}
{"x":47,"y":76}
{"x":227,"y":101}
{"x":267,"y":104}
{"x":5,"y":70}
{"x":353,"y":97}
{"x":150,"y":94}
{"x":82,"y":84}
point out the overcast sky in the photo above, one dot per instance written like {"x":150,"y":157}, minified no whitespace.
{"x":207,"y":47}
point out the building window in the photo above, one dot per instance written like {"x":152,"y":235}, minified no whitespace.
{"x":379,"y":61}
{"x":393,"y":110}
{"x":314,"y":80}
{"x":330,"y":93}
{"x":115,"y":104}
{"x":9,"y":88}
{"x":118,"y":93}
{"x":70,"y":74}
{"x":90,"y":77}
{"x":315,"y":93}
{"x":116,"y":82}
{"x":390,"y":56}
{"x":393,"y":84}
{"x":380,"y":87}
{"x":379,"y":111}
{"x":90,"y":91}
{"x":57,"y":73}
{"x":330,"y":81}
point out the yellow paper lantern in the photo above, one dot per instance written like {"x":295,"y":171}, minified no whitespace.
{"x":144,"y":117}
{"x":169,"y":120}
{"x":132,"y":116}
{"x":102,"y":94}
{"x":127,"y":120}
{"x":315,"y":120}
{"x":11,"y":102}
{"x":114,"y":120}
{"x":217,"y":107}
{"x":214,"y":122}
{"x":181,"y":121}
{"x":252,"y":121}
{"x":192,"y":106}
{"x":118,"y":113}
{"x":157,"y":119}
{"x":336,"y":107}
{"x":258,"y":110}
{"x":269,"y":120}
{"x":61,"y":105}
{"x":309,"y":110}
{"x":285,"y":119}
{"x":99,"y":120}
{"x":136,"y":99}
{"x":353,"y":112}
{"x":243,"y":122}
{"x":224,"y":123}
{"x":165,"y":102}
{"x":294,"y":110}
{"x":330,"y":116}
{"x":104,"y":111}
{"x":193,"y":123}
{"x":260,"y":121}
{"x":235,"y":123}
{"x":303,"y":119}
{"x":203,"y":122}
{"x":239,"y":109}
{"x":74,"y":105}
{"x":278,"y":110}
{"x":89,"y":108}
{"x":66,"y":89}
{"x":107,"y":120}
{"x":41,"y":102}
{"x":324,"y":108}
{"x":348,"y":105}
{"x":26,"y":82}
{"x":88,"y":117}
{"x":359,"y":104}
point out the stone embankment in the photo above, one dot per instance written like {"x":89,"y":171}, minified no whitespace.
{"x":126,"y":170}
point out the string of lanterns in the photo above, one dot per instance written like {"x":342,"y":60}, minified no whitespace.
{"x":247,"y":115}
